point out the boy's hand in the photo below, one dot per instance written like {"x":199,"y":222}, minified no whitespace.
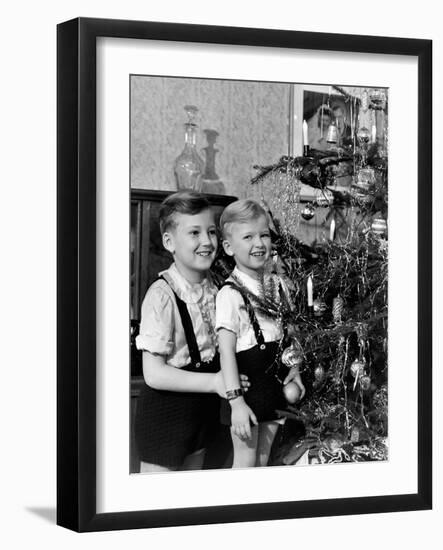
{"x":219,"y":384}
{"x":301,"y":386}
{"x":294,"y":376}
{"x":241,"y":418}
{"x":244,"y":382}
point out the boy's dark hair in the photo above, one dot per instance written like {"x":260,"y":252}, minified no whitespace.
{"x":183,"y":202}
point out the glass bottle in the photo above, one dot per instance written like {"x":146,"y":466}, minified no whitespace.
{"x":188,"y":166}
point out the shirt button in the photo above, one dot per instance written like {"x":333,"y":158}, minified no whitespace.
{"x":197,"y":365}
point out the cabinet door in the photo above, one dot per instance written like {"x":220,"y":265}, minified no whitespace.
{"x":135,"y":257}
{"x":154,"y":257}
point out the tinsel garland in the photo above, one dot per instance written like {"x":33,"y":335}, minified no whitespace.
{"x":320,"y":171}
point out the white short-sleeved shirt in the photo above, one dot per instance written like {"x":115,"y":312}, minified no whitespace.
{"x":161,"y":329}
{"x":231,"y":314}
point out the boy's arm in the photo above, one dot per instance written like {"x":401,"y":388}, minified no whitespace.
{"x":160,"y":376}
{"x":228,"y":362}
{"x":242,"y":415}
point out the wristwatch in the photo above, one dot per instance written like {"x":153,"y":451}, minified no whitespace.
{"x":233,"y":394}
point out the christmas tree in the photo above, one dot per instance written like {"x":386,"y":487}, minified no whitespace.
{"x":337,"y":317}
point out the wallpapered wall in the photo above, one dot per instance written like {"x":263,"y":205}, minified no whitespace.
{"x":251,"y":119}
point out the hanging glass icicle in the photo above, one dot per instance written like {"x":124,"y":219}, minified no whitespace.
{"x":262,"y":197}
{"x":364,"y":101}
{"x":383,"y":121}
{"x":384,"y":149}
{"x":321,"y":117}
{"x":353,"y":125}
{"x":374,"y":127}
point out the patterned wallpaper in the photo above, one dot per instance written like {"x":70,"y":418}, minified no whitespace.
{"x":251,"y":119}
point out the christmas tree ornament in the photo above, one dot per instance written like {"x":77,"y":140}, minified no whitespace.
{"x":337,"y":308}
{"x":363,"y":136}
{"x":377,"y":99}
{"x":319,"y":307}
{"x":365,"y":382}
{"x":379,"y":226}
{"x":333,"y":442}
{"x":324,"y":197}
{"x":332,"y":135}
{"x":319,"y":373}
{"x":380,"y":398}
{"x":308,"y":211}
{"x":364,"y":101}
{"x":292,"y":356}
{"x":355,"y":434}
{"x":292,"y":392}
{"x":383,"y":245}
{"x":357,"y":368}
{"x":365,"y":179}
{"x":360,"y":196}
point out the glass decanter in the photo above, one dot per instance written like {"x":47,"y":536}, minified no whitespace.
{"x":188,"y":166}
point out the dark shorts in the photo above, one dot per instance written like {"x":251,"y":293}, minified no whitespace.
{"x":265,"y":395}
{"x":171,"y":425}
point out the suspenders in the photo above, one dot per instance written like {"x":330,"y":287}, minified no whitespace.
{"x":194,"y":352}
{"x":252,"y":317}
{"x":188,"y":328}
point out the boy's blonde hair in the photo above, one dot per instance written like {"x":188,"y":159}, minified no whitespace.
{"x":241,"y":211}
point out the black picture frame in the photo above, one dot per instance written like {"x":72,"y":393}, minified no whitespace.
{"x":76,"y":274}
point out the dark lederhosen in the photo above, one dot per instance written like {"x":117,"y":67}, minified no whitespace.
{"x":171,"y":425}
{"x":264,"y":372}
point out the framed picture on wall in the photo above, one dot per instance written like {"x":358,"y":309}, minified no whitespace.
{"x":315,"y":136}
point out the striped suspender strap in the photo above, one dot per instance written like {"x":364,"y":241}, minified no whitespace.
{"x":191,"y":340}
{"x":252,"y":317}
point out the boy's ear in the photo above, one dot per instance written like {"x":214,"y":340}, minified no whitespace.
{"x":168,"y":242}
{"x":227,"y":247}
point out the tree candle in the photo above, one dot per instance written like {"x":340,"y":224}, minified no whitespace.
{"x":310,"y":292}
{"x":332,"y":230}
{"x":305,"y":133}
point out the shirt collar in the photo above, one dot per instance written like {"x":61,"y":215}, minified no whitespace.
{"x":254,"y":285}
{"x":250,"y":282}
{"x":191,"y":293}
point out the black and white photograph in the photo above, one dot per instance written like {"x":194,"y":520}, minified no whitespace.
{"x":258,"y":274}
{"x":243,"y":218}
{"x":221,"y":266}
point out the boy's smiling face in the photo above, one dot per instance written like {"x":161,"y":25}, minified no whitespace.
{"x":250,"y":244}
{"x":193,"y":243}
